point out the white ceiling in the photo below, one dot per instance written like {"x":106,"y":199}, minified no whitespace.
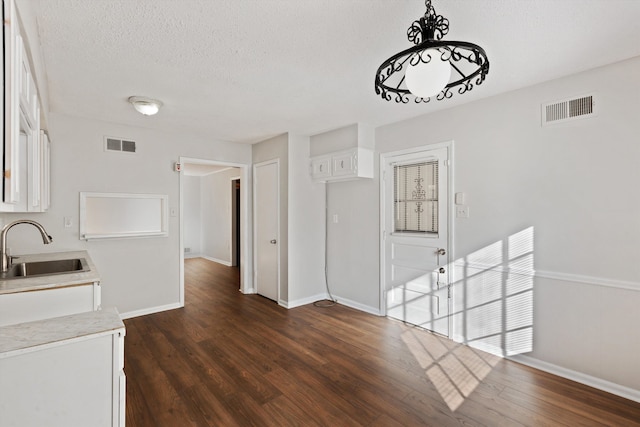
{"x":246,"y":70}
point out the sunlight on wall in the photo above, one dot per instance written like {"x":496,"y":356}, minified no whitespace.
{"x":493,"y":303}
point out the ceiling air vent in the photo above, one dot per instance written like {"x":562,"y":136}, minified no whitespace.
{"x":119,"y":144}
{"x":568,"y":109}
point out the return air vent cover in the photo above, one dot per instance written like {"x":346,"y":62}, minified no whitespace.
{"x":568,"y":109}
{"x":119,"y":144}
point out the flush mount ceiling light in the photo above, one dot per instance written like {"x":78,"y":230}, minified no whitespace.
{"x":144,"y":105}
{"x":433,"y":67}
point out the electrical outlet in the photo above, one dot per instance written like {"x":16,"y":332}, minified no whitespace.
{"x":68,"y":222}
{"x":462,"y":211}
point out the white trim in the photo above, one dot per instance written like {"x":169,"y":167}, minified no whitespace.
{"x":552,"y":275}
{"x":617,"y":389}
{"x":589,"y":280}
{"x":358,"y":306}
{"x":255,"y":228}
{"x":304,"y":301}
{"x":150,"y":310}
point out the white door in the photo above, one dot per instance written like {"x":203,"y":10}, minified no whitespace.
{"x":415,"y":199}
{"x":266,"y":228}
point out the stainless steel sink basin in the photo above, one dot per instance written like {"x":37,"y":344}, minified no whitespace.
{"x":23,"y":270}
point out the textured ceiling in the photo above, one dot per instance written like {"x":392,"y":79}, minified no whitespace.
{"x":246,"y":70}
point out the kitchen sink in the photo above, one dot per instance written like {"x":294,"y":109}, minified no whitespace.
{"x":22,"y":270}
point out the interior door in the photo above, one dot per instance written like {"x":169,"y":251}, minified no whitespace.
{"x":415,"y":238}
{"x":266,"y":229}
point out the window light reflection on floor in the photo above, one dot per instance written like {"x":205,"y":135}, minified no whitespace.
{"x":492,"y":312}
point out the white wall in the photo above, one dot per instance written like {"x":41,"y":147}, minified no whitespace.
{"x":216,"y":196}
{"x":192,"y":212}
{"x":306,"y":227}
{"x":138,"y":275}
{"x":547,"y":260}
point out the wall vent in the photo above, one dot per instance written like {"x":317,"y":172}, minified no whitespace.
{"x":119,"y":144}
{"x":568,"y":109}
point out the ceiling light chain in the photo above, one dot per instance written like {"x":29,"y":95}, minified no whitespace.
{"x":429,"y":63}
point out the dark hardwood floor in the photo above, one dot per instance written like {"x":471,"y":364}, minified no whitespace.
{"x":229,"y":359}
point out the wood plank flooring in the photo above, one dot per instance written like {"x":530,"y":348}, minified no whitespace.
{"x":229,"y":359}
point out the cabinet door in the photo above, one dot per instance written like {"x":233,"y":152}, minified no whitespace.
{"x":34,"y":169}
{"x":119,"y":381}
{"x":22,"y":307}
{"x":345,"y":164}
{"x":320,"y":167}
{"x":69,"y":384}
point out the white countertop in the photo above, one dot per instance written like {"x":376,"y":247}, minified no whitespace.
{"x":33,"y":336}
{"x":54,"y":280}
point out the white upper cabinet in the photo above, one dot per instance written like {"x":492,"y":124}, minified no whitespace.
{"x":28,"y":93}
{"x":11,"y":131}
{"x":344,"y":165}
{"x":342,"y":154}
{"x":26,"y":158}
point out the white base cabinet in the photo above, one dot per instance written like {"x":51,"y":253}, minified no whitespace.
{"x":21,"y":307}
{"x":73,"y":377}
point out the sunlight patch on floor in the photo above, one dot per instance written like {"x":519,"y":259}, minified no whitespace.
{"x":455,"y":370}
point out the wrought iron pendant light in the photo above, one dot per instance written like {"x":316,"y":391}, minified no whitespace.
{"x":432,"y":67}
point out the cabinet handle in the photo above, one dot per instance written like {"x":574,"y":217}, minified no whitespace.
{"x":342,"y":164}
{"x":321,"y":167}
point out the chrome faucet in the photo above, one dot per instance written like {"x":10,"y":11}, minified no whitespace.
{"x":4,"y":257}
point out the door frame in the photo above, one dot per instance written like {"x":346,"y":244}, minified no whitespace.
{"x":384,"y":157}
{"x":246,"y":278}
{"x":233,"y":249}
{"x":255,"y":228}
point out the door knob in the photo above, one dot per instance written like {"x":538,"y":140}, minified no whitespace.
{"x":272,"y":241}
{"x":441,"y":270}
{"x":442,"y":252}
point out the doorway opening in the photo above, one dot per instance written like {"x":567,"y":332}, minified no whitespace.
{"x":236,"y":205}
{"x":214,"y":222}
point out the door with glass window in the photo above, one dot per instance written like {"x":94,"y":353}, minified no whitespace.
{"x":415,"y":285}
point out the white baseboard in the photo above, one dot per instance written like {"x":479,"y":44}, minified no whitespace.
{"x":304,"y":301}
{"x":150,"y":310}
{"x":609,"y":387}
{"x":188,"y":255}
{"x":358,"y":306}
{"x":219,"y":261}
